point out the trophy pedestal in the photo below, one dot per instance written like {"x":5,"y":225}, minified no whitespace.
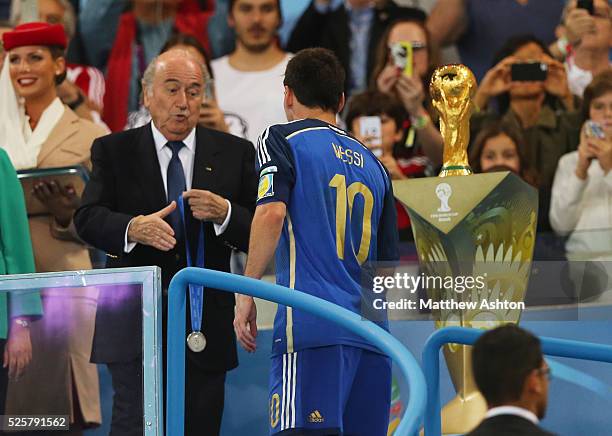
{"x":463,"y":413}
{"x":480,"y":227}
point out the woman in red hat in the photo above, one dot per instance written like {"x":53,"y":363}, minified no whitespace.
{"x":38,"y":131}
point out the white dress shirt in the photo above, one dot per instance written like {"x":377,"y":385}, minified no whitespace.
{"x":512,"y":410}
{"x":583,"y":209}
{"x":187,"y":157}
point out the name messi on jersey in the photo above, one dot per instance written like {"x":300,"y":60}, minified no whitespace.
{"x":348,"y":156}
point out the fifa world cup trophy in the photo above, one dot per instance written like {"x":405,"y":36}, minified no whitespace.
{"x":452,"y":89}
{"x":474,"y":229}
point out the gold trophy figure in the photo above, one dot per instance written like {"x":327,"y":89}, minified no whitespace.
{"x":481,"y":226}
{"x":452,"y":89}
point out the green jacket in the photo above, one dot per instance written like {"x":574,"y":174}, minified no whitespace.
{"x":16,"y":255}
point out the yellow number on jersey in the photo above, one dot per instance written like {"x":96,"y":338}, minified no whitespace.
{"x":342,"y":194}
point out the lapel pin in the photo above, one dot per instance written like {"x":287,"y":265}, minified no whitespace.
{"x":208,"y":169}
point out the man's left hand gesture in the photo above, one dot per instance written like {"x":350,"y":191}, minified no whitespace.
{"x":207,"y":206}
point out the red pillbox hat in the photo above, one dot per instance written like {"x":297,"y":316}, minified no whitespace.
{"x":35,"y":34}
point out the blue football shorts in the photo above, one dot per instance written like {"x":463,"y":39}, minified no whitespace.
{"x":333,"y":390}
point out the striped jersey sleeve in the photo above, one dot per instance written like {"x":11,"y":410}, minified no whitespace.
{"x":275,"y":166}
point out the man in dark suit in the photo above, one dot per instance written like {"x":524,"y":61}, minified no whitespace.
{"x":513,"y":376}
{"x":129,"y":210}
{"x":352,"y":29}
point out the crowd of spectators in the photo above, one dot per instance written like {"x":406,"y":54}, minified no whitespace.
{"x":554,"y":130}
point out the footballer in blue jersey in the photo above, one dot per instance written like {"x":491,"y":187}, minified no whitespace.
{"x":325,"y":207}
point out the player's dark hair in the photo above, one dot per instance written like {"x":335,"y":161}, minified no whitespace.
{"x":316,"y":77}
{"x":502,"y":359}
{"x":375,"y":103}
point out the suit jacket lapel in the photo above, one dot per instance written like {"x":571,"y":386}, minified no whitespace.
{"x":65,"y":128}
{"x":146,"y":167}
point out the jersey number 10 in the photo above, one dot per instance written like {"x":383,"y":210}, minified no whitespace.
{"x":342,"y":195}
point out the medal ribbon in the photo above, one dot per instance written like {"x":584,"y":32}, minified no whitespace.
{"x":196,"y":292}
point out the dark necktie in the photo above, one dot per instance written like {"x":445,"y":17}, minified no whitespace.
{"x":176,"y":186}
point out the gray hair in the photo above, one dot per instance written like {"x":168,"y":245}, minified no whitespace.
{"x":149,"y":74}
{"x":68,"y":20}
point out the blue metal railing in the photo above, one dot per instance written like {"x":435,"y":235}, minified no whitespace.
{"x":465,"y":336}
{"x":232,"y":283}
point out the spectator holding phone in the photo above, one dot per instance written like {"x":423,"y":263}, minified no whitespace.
{"x":376,"y":119}
{"x":581,"y":204}
{"x":352,"y":30}
{"x":532,"y":95}
{"x":586,"y":41}
{"x":480,"y":27}
{"x":405,"y":61}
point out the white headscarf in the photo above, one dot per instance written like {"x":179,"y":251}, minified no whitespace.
{"x":16,"y":137}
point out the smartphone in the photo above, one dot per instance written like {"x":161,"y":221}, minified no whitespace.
{"x":585,"y":4}
{"x":370,"y":128}
{"x":401,"y":53}
{"x":594,"y":130}
{"x":529,"y":72}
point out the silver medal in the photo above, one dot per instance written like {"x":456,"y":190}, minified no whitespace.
{"x":196,"y":341}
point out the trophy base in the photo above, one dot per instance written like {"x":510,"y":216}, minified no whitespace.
{"x":462,"y":414}
{"x":455,"y":170}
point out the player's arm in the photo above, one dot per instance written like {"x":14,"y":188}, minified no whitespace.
{"x":276,"y":178}
{"x":265,"y":232}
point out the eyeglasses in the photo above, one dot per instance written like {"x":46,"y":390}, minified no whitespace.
{"x":546,"y":372}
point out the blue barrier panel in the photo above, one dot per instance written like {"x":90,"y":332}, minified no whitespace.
{"x":458,"y":335}
{"x":289,"y":297}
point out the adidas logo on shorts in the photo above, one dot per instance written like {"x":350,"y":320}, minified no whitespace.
{"x":315,"y":417}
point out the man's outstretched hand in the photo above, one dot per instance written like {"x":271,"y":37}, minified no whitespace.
{"x":152,"y":230}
